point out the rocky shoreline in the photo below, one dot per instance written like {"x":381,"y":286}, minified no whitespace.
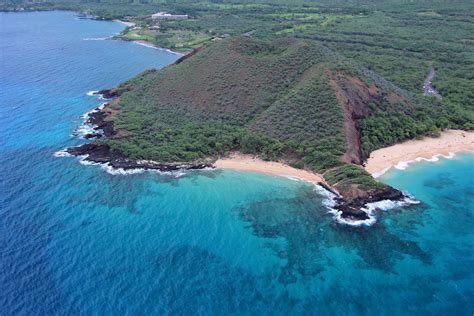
{"x":351,"y":210}
{"x":101,"y":153}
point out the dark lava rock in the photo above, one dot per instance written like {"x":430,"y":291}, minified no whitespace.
{"x":353,"y":209}
{"x":92,"y":135}
{"x":108,"y":93}
{"x":103,"y":154}
{"x":98,"y":118}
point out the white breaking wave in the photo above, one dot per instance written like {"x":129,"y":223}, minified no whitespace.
{"x":155,"y":47}
{"x":124,"y":172}
{"x":379,"y":174}
{"x":402,"y":165}
{"x":83,"y":130}
{"x":97,"y":38}
{"x":331,"y":197}
{"x":292,"y":178}
{"x":108,"y":168}
{"x":62,"y":153}
{"x":383,"y":205}
{"x":120,"y":171}
{"x":96,"y":94}
{"x":86,"y":128}
{"x":92,"y":93}
{"x":146,"y":45}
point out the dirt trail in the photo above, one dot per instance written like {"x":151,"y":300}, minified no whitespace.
{"x":428,"y":89}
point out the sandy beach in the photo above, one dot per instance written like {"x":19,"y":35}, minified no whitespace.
{"x":449,"y":143}
{"x":253,"y":164}
{"x":128,"y":24}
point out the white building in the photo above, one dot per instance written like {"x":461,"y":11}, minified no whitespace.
{"x":167,"y":16}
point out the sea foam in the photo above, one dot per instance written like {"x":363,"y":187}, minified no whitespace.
{"x":156,"y":47}
{"x":92,"y":93}
{"x":62,"y":153}
{"x":381,"y":173}
{"x":402,"y":165}
{"x":97,"y":38}
{"x":108,"y":168}
{"x":124,"y":172}
{"x":86,"y":128}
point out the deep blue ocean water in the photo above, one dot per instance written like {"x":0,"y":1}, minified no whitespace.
{"x":76,"y":239}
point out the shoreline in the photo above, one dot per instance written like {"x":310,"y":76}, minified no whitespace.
{"x":128,"y":24}
{"x":150,"y":45}
{"x":250,"y":163}
{"x":355,"y":212}
{"x":141,"y":42}
{"x":400,"y":155}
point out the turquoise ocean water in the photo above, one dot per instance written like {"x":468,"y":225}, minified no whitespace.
{"x":76,"y":239}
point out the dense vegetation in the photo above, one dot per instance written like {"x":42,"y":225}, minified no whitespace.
{"x":318,"y":84}
{"x":283,"y":99}
{"x":233,"y":95}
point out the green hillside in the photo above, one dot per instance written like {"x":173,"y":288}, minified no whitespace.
{"x":318,"y":84}
{"x":288,"y":99}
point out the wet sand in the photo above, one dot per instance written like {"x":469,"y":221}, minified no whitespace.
{"x":253,"y":164}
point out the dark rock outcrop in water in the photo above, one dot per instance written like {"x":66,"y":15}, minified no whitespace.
{"x":98,"y":118}
{"x":104,"y":154}
{"x":353,"y":209}
{"x":108,"y":93}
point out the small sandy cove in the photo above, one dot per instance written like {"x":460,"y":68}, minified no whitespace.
{"x":242,"y":162}
{"x":450,"y":142}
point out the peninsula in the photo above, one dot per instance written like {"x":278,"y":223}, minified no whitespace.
{"x":288,"y":100}
{"x":318,"y":87}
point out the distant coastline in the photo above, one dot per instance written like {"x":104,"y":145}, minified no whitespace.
{"x":426,"y":149}
{"x":151,"y":45}
{"x":141,"y":42}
